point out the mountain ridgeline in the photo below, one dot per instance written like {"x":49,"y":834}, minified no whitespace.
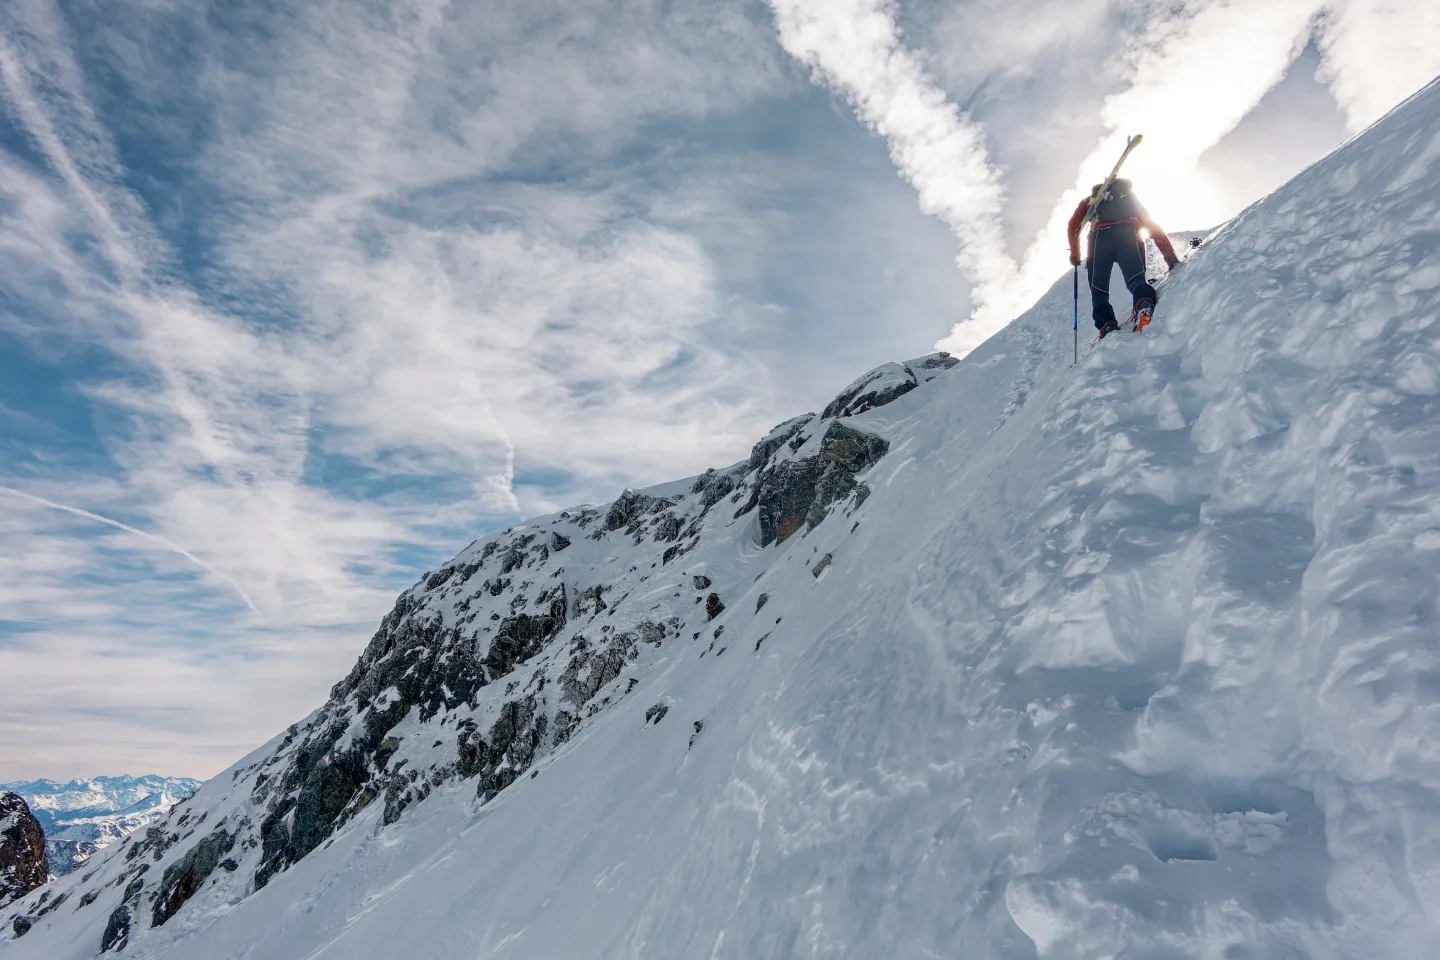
{"x":497,"y":659}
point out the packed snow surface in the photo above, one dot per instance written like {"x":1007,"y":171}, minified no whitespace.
{"x":1134,"y":659}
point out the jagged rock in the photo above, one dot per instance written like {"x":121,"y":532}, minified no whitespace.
{"x":850,"y":449}
{"x":667,"y":529}
{"x":800,"y":492}
{"x":23,"y":864}
{"x":713,"y":486}
{"x":522,"y":636}
{"x":699,"y":727}
{"x":887,"y":383}
{"x":819,"y":568}
{"x":514,"y":740}
{"x":701,"y":581}
{"x":778,"y":436}
{"x":713,"y":606}
{"x":656,"y":713}
{"x":21,"y":926}
{"x":630,"y":507}
{"x":183,"y":877}
{"x":558,"y":542}
{"x":760,"y":601}
{"x":117,"y":930}
{"x":590,"y":669}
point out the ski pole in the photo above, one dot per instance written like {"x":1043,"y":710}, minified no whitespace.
{"x":1076,"y":325}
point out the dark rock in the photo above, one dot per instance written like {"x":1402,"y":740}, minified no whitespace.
{"x":656,"y":713}
{"x":53,"y":905}
{"x":21,"y":926}
{"x":630,"y":507}
{"x":23,"y":862}
{"x":522,"y":636}
{"x":851,"y":449}
{"x":558,"y":542}
{"x":667,"y":529}
{"x":184,"y":877}
{"x":701,"y":581}
{"x":117,"y":930}
{"x":590,"y":669}
{"x":590,"y":601}
{"x":760,"y":602}
{"x":761,"y":640}
{"x":89,"y":898}
{"x":699,"y":726}
{"x":819,"y":568}
{"x":779,"y":436}
{"x":713,"y":606}
{"x":514,"y":740}
{"x":713,"y":486}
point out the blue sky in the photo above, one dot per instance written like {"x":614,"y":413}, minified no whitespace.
{"x":298,"y":298}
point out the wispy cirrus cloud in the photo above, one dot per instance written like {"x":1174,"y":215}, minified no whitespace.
{"x":371,"y":340}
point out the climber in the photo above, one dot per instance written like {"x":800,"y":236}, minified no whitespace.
{"x":1115,"y":238}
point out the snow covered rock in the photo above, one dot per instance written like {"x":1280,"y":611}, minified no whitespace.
{"x":886,"y":383}
{"x":23,"y":866}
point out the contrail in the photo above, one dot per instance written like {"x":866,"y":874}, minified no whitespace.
{"x":168,"y":544}
{"x":854,"y":47}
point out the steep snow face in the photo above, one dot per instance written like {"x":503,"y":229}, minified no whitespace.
{"x":1131,"y":659}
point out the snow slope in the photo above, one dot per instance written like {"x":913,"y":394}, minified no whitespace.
{"x":1132,"y":659}
{"x":85,"y":815}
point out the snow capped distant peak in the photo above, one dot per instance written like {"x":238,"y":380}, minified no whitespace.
{"x":86,"y":814}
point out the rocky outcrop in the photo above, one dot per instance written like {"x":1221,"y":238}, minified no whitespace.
{"x":23,"y":864}
{"x":799,"y":492}
{"x":117,"y":930}
{"x":185,"y":876}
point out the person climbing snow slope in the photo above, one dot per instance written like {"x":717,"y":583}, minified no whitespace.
{"x":1115,"y":239}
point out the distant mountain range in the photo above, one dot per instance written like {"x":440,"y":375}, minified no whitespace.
{"x":85,"y":815}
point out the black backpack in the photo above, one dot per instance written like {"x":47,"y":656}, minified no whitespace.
{"x":1117,"y":203}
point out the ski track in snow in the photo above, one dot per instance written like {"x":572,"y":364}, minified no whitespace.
{"x":1131,"y":659}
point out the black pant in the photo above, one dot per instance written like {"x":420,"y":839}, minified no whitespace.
{"x":1108,"y":246}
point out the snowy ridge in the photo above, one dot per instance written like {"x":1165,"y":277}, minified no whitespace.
{"x":1131,"y":659}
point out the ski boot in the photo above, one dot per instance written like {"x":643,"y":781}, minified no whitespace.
{"x":1109,"y":327}
{"x":1140,"y":316}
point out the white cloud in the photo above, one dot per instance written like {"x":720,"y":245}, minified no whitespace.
{"x":402,"y":321}
{"x":855,"y":47}
{"x":1377,"y":53}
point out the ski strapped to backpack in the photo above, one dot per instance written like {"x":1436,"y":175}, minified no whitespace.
{"x":1130,"y":144}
